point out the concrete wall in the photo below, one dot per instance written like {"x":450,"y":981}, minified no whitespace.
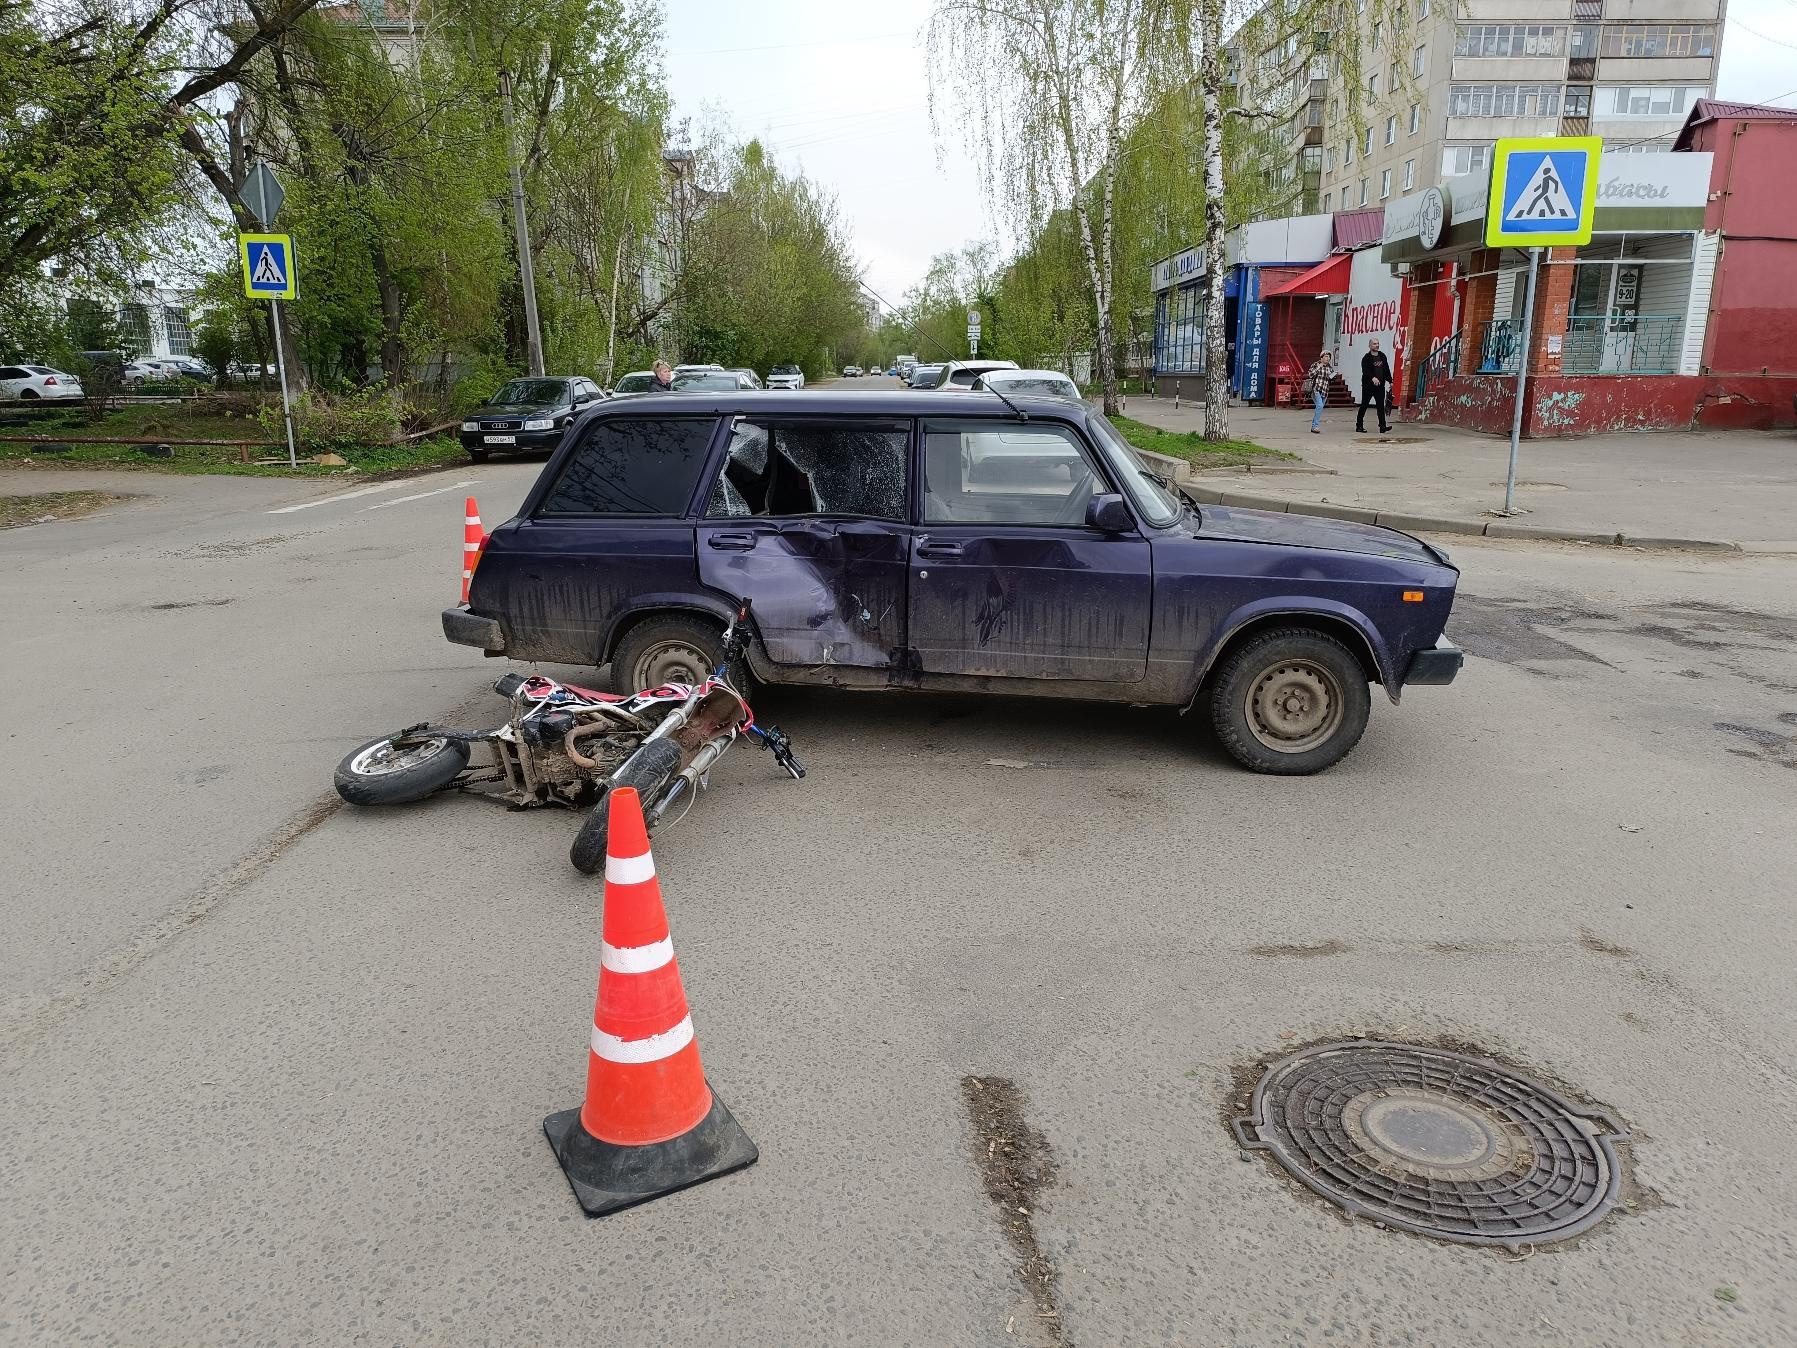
{"x":1565,"y":405}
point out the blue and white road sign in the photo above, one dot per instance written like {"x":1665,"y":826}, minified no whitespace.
{"x":1543,"y":191}
{"x":267,"y":266}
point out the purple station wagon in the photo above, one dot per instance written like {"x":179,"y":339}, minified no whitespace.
{"x":953,"y":542}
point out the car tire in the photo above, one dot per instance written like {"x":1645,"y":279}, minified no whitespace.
{"x":28,"y":393}
{"x":477,"y":456}
{"x":648,"y":770}
{"x":1290,"y":701}
{"x":362,"y":780}
{"x":676,"y":648}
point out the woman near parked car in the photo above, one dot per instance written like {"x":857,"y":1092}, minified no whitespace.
{"x":1317,"y":382}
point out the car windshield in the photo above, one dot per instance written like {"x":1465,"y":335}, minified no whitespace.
{"x":635,"y":383}
{"x":706,"y":383}
{"x":1157,"y":504}
{"x":532,"y":391}
{"x":785,"y":369}
{"x":1053,"y":388}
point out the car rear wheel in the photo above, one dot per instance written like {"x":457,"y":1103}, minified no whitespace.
{"x":28,"y":393}
{"x":1290,"y":701}
{"x":674,"y":649}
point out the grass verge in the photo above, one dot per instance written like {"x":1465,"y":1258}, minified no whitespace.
{"x":433,"y":452}
{"x":1193,"y":447}
{"x":47,"y":506}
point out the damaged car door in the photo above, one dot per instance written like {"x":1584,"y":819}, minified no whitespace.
{"x":807,"y":519}
{"x":1011,"y":578}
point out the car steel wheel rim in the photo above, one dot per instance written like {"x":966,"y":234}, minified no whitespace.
{"x":1294,"y":706}
{"x":383,"y":759}
{"x":671,"y":662}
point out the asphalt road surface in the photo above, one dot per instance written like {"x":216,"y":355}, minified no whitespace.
{"x":275,"y":1071}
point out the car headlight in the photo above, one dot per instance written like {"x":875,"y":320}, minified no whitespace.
{"x":540,"y":424}
{"x":471,"y":425}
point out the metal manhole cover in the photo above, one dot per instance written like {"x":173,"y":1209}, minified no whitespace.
{"x":1438,"y":1143}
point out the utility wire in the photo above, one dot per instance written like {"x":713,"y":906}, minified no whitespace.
{"x":897,"y":313}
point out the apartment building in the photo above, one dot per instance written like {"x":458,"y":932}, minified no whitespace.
{"x":1443,"y":79}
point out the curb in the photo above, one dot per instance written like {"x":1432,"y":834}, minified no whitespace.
{"x":1436,"y":524}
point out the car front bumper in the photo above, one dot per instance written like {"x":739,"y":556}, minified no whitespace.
{"x":470,"y":629}
{"x":522,"y":441}
{"x":1436,"y":664}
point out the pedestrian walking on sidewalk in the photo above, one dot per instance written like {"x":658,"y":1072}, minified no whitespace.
{"x":1317,"y":382}
{"x":1375,"y":387}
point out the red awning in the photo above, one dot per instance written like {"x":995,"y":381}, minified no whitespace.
{"x":1328,"y":277}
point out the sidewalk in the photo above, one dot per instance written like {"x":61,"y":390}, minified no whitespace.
{"x":1722,"y":487}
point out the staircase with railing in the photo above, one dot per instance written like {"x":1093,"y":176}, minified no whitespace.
{"x":1437,"y":365}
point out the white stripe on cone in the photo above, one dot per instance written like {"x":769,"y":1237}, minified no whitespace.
{"x":629,"y":870}
{"x":636,"y":959}
{"x":653,"y":1049}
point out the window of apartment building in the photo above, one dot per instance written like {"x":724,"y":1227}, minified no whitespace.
{"x":1335,"y":110}
{"x":1509,"y":39}
{"x":1459,"y":160}
{"x":1391,"y":129}
{"x":1394,"y":78}
{"x":1409,"y":174}
{"x":180,"y":336}
{"x":1503,"y":100}
{"x":1577,"y":102}
{"x":1326,"y":199}
{"x":1384,"y":184}
{"x":1329,"y":160}
{"x":1659,"y":39}
{"x":1375,"y":45}
{"x":1418,"y":59}
{"x":1368,"y":148}
{"x":1652,"y":100}
{"x":1422,"y":9}
{"x":1581,"y":43}
{"x":1416,"y":118}
{"x":1363,"y":191}
{"x":1372,"y":87}
{"x":1348,"y":154}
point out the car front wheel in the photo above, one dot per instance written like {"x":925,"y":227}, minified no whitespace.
{"x":1290,"y":701}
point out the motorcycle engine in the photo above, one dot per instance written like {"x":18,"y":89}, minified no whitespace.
{"x":548,"y":729}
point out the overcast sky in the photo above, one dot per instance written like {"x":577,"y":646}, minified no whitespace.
{"x":841,"y":92}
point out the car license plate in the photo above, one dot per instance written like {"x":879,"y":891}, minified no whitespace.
{"x":502,"y":439}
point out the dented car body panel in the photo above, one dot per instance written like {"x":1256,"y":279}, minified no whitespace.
{"x":869,"y":579}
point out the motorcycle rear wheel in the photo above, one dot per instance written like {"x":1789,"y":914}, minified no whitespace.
{"x":648,"y":770}
{"x":379,"y":774}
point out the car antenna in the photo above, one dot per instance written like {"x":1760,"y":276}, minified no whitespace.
{"x":1021,"y":414}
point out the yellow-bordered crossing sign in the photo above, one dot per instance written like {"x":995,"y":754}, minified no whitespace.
{"x":1543,"y":191}
{"x":267,"y":265}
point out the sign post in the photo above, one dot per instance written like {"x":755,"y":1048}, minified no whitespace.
{"x":973,"y":332}
{"x":1543,"y":195}
{"x":268,"y":271}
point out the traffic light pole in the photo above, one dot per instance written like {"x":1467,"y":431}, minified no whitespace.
{"x":1522,"y":379}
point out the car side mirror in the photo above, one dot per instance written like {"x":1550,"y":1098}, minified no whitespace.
{"x":582,"y":399}
{"x":1107,"y":514}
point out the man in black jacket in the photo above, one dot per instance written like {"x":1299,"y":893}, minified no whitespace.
{"x":1375,"y":386}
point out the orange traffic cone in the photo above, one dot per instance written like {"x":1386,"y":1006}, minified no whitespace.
{"x":650,"y":1124}
{"x":473,"y":540}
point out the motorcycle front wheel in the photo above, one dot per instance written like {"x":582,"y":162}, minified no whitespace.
{"x":648,"y":770}
{"x":380,"y":773}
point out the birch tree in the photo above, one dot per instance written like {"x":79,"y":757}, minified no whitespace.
{"x":1047,"y":91}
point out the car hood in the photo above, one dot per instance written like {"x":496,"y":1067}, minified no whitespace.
{"x":1309,"y":531}
{"x":519,"y":410}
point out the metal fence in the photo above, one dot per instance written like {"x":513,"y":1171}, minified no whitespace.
{"x":1615,"y":344}
{"x":1499,"y":341}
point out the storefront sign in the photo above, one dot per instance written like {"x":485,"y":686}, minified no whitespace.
{"x":1433,"y":216}
{"x":1180,"y":267}
{"x":1254,"y":352}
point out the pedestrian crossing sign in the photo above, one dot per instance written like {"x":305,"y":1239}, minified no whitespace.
{"x":1543,"y":191}
{"x":267,"y":265}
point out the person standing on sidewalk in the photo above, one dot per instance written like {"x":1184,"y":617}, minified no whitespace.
{"x":1375,"y":386}
{"x":1317,"y":382}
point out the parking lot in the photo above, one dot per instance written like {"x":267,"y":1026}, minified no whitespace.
{"x":277,"y":1069}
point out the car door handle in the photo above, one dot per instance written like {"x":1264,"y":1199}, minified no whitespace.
{"x":938,"y":549}
{"x":731,"y":542}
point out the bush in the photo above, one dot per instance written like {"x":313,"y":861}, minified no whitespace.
{"x":333,"y":423}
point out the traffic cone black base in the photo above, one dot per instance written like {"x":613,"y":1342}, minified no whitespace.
{"x":607,"y":1177}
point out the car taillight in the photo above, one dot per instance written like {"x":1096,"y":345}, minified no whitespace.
{"x":49,"y":379}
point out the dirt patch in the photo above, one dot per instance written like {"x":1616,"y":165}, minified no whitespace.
{"x":49,"y":507}
{"x":1598,"y":946}
{"x":1513,"y":632}
{"x":233,"y":549}
{"x":1772,"y":747}
{"x":1015,"y":1166}
{"x":188,"y":603}
{"x":1319,"y":950}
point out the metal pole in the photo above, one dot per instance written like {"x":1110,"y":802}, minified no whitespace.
{"x":527,"y":272}
{"x":1522,"y":378}
{"x":286,"y":402}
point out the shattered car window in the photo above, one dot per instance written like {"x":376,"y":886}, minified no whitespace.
{"x":777,"y":469}
{"x":633,"y":468}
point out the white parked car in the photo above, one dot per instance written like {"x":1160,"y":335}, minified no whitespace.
{"x":960,"y":374}
{"x":37,"y":381}
{"x":786,"y":376}
{"x":1035,"y":383}
{"x":149,"y":372}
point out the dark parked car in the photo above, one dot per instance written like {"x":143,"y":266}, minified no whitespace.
{"x":924,"y":376}
{"x":526,"y":414}
{"x":939,"y":541}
